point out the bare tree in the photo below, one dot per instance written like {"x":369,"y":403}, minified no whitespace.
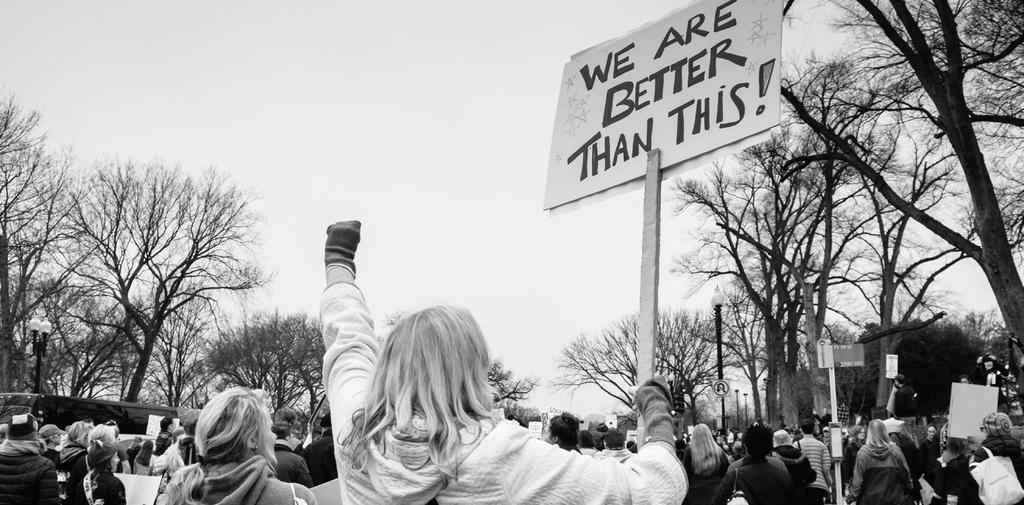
{"x":508,"y":388}
{"x":34,"y":209}
{"x":743,"y":340}
{"x":180,"y":376}
{"x":159,"y":239}
{"x":683,"y":349}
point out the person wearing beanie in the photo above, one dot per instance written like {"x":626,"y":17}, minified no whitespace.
{"x":798,"y":466}
{"x":26,"y":477}
{"x":319,"y":455}
{"x":415,"y":415}
{"x":100,"y":485}
{"x":49,"y":435}
{"x":290,"y":466}
{"x":899,"y":436}
{"x":996,"y":427}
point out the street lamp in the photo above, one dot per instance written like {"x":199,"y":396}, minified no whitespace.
{"x":737,"y":391}
{"x":39,"y":344}
{"x":745,"y":409}
{"x":717,"y":300}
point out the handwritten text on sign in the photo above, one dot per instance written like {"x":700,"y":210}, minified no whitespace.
{"x":703,"y":77}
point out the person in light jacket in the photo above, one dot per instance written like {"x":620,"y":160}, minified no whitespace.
{"x":414,"y":420}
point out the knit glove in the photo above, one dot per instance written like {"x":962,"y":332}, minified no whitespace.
{"x":342,"y":241}
{"x":654,"y":402}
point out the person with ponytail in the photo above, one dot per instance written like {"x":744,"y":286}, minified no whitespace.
{"x":413,"y":417}
{"x":100,"y":486}
{"x":234,"y":440}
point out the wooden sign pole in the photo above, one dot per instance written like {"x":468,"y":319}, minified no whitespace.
{"x":649,"y":264}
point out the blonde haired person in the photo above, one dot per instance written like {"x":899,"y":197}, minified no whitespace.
{"x":233,"y":436}
{"x":880,"y":475}
{"x":414,"y":422}
{"x":100,"y":486}
{"x":705,"y":464}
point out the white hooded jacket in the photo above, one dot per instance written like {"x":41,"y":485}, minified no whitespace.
{"x":502,"y":465}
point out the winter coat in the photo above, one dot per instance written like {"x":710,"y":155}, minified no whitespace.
{"x":764,"y":481}
{"x":290,"y":466}
{"x":799,"y":468}
{"x":105,"y":486}
{"x":880,"y":476}
{"x":26,"y":478}
{"x":68,"y":462}
{"x":620,"y":455}
{"x":849,"y":460}
{"x":249,"y":483}
{"x":500,"y":463}
{"x":320,"y":461}
{"x":1003,"y":445}
{"x":703,"y":487}
{"x":904,"y":404}
{"x":929,"y":452}
{"x":955,"y":479}
{"x":817,"y":454}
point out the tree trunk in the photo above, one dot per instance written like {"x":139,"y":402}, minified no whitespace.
{"x":141,"y":369}
{"x":7,"y":366}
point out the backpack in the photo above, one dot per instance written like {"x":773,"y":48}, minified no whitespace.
{"x":997,"y":482}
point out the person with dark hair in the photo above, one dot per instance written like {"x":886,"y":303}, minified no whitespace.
{"x":615,"y":447}
{"x":904,"y":398}
{"x":762,"y":480}
{"x":854,"y":441}
{"x":287,"y":415}
{"x":817,"y":454}
{"x":290,"y":466}
{"x":563,"y":431}
{"x":602,"y":431}
{"x":319,"y":455}
{"x":144,"y":460}
{"x":587,"y":443}
{"x":631,"y":446}
{"x":930,"y":451}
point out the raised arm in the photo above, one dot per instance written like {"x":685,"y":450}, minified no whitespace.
{"x":347,"y":329}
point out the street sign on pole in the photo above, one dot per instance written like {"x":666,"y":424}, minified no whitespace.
{"x":848,"y":355}
{"x":720,"y":388}
{"x":825,"y":359}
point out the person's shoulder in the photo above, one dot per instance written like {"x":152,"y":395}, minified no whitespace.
{"x":277,"y":492}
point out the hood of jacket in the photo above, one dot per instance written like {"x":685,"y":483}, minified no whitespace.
{"x":876,"y":451}
{"x":620,"y":455}
{"x":400,"y":467}
{"x":241,"y":485}
{"x":790,"y":455}
{"x":70,"y":453}
{"x":1003,"y":445}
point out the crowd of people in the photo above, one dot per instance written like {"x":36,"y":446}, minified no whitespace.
{"x":414,"y":424}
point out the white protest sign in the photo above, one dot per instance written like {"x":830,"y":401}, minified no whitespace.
{"x":328,"y":493}
{"x":968,"y":406}
{"x":631,"y":435}
{"x":536,"y":429}
{"x":153,"y":425}
{"x":703,"y":78}
{"x":139,"y":489}
{"x":892,"y":366}
{"x":611,"y":421}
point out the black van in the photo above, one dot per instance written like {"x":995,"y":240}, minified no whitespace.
{"x":131,"y":418}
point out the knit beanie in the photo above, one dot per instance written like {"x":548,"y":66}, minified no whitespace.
{"x":997,"y":424}
{"x":22,"y":427}
{"x":100,"y":453}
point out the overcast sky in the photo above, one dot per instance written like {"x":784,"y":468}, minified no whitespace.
{"x":428,"y":121}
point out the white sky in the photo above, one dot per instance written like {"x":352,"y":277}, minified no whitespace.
{"x":429,"y":121}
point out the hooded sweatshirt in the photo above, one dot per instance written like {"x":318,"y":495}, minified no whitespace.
{"x":496,"y":463}
{"x":880,"y":476}
{"x":799,"y":468}
{"x":249,"y":483}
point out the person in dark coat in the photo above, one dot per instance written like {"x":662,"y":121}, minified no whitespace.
{"x":319,"y":455}
{"x":762,"y":480}
{"x":290,"y":466}
{"x":100,"y":483}
{"x":930,"y":451}
{"x":26,"y":477}
{"x":73,"y":454}
{"x":955,"y":480}
{"x":905,"y":401}
{"x":705,"y":464}
{"x":798,"y":466}
{"x":991,"y":372}
{"x":49,"y":435}
{"x":854,"y":442}
{"x":908,"y":448}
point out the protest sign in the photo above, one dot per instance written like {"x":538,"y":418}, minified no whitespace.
{"x":968,"y":406}
{"x":631,"y":436}
{"x":697,"y":84}
{"x":328,"y":493}
{"x":892,"y":366}
{"x":611,"y":421}
{"x":153,"y":425}
{"x":140,"y":489}
{"x":536,"y":429}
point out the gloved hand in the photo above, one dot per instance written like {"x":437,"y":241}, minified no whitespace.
{"x":342,"y":241}
{"x":653,"y":400}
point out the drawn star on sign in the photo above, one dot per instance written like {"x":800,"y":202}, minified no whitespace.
{"x":751,"y":67}
{"x":758,"y":33}
{"x":575,"y":114}
{"x":569,"y":83}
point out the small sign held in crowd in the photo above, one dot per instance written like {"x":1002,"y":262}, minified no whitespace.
{"x":536,"y":429}
{"x":892,"y":366}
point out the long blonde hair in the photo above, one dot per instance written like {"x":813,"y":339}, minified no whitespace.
{"x":877,"y":436}
{"x":705,"y":454}
{"x":433,"y":365}
{"x":233,"y":427}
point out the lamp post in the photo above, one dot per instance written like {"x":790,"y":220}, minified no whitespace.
{"x":717,"y":300}
{"x":39,"y":344}
{"x":737,"y":391}
{"x":745,"y":409}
